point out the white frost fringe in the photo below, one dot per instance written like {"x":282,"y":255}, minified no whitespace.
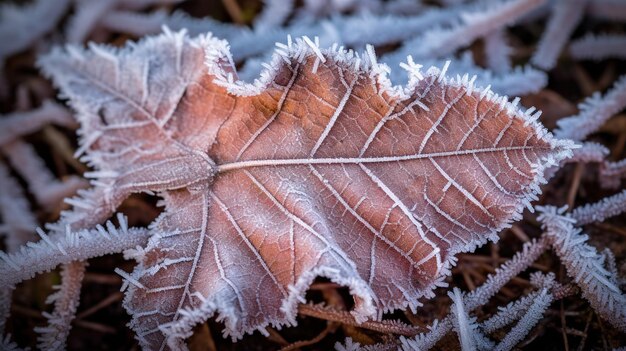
{"x":181,"y":329}
{"x":46,"y":254}
{"x":220,"y":64}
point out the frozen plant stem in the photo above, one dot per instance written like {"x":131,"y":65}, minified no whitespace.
{"x":567,"y":14}
{"x":479,"y":297}
{"x":47,"y":253}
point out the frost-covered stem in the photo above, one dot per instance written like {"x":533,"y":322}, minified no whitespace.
{"x":567,"y":14}
{"x":19,"y":222}
{"x":348,"y":345}
{"x":15,"y":211}
{"x":428,"y":340}
{"x":7,"y":345}
{"x":5,"y":307}
{"x":470,"y":337}
{"x":588,"y":152}
{"x":498,"y":52}
{"x":612,"y":173}
{"x":611,"y":265}
{"x":54,"y":336}
{"x":461,"y":321}
{"x":527,"y":322}
{"x":41,"y":182}
{"x":20,"y":123}
{"x":330,"y":314}
{"x":134,"y":23}
{"x":540,"y":280}
{"x":597,"y":212}
{"x":87,"y":16}
{"x":608,"y":9}
{"x":21,"y":26}
{"x":358,"y":30}
{"x":479,"y":297}
{"x":594,"y":111}
{"x":476,"y":24}
{"x":48,"y":253}
{"x":90,"y":209}
{"x":275,"y":13}
{"x":584,"y":265}
{"x":30,"y":166}
{"x":522,"y":260}
{"x":508,"y":314}
{"x":599,"y":47}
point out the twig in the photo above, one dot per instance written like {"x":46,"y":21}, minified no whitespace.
{"x":330,"y":314}
{"x":581,"y":346}
{"x":101,"y":328}
{"x":298,"y":344}
{"x":573,"y":189}
{"x":116,"y":296}
{"x":234,"y":11}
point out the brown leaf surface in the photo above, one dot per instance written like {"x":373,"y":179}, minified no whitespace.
{"x":320,"y":169}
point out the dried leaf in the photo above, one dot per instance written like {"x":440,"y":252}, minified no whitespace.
{"x":320,"y":168}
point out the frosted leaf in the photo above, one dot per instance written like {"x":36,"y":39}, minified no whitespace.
{"x":128,"y":103}
{"x":313,"y":170}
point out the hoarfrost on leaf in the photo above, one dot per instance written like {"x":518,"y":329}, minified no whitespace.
{"x":229,"y":158}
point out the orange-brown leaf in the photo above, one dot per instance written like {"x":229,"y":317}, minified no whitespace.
{"x":321,"y":168}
